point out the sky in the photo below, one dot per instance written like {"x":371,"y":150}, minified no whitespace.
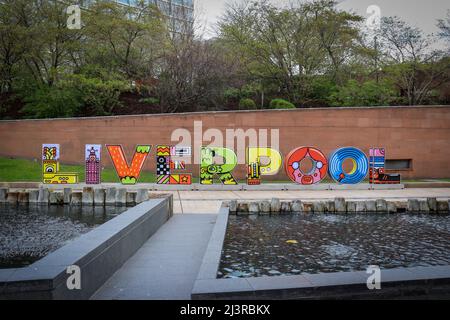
{"x":420,"y":13}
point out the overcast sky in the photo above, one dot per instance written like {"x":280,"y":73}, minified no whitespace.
{"x":421,"y":13}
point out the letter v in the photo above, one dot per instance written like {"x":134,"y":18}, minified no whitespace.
{"x":128,"y":175}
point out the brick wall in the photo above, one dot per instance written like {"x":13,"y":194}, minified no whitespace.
{"x":418,"y":133}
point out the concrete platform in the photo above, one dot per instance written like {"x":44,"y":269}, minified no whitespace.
{"x":167,"y":264}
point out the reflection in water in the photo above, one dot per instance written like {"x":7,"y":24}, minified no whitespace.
{"x":288,"y":245}
{"x":28,"y":233}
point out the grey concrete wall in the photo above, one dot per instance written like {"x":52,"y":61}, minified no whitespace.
{"x":419,"y":133}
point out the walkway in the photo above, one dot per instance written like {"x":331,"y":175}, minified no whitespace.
{"x":167,"y":264}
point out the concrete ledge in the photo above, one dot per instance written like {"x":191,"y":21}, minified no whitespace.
{"x":211,"y":259}
{"x":427,"y":185}
{"x":418,"y":282}
{"x":98,"y":254}
{"x":423,"y":282}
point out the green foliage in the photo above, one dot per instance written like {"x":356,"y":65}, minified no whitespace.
{"x":247,"y":104}
{"x":281,"y":104}
{"x":277,"y":47}
{"x":151,"y":101}
{"x":306,"y":53}
{"x":76,"y":95}
{"x":52,"y":102}
{"x":232,"y":93}
{"x":99,"y":97}
{"x":322,"y":88}
{"x":368,"y":93}
{"x":131,"y":45}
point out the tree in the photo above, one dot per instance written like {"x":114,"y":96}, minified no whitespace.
{"x":283,"y":48}
{"x":50,"y":43}
{"x":410,"y":60}
{"x":194,"y":74}
{"x":13,"y":43}
{"x":338,"y":34}
{"x":131,"y":39}
{"x":355,"y":94}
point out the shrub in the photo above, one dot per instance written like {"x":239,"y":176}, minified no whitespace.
{"x":150,"y":101}
{"x":246,"y":91}
{"x":76,"y":95}
{"x":281,"y":104}
{"x":321,"y":88}
{"x":247,"y":104}
{"x":52,"y":102}
{"x":370,"y":93}
{"x":99,"y":97}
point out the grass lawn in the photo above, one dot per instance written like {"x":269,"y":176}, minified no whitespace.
{"x":18,"y":170}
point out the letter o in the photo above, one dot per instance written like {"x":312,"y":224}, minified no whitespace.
{"x":359,"y":170}
{"x":296,"y":174}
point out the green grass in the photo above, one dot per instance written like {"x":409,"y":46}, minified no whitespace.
{"x":18,"y":170}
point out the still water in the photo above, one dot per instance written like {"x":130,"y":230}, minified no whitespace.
{"x":294,"y":244}
{"x":29,"y":233}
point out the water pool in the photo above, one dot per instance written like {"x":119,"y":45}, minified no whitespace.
{"x":258,"y":246}
{"x":29,"y":233}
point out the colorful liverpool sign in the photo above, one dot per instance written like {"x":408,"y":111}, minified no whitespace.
{"x":218,"y":163}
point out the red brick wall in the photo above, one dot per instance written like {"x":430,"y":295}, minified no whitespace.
{"x":418,"y":133}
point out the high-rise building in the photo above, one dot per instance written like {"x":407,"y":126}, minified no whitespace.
{"x":179,"y":13}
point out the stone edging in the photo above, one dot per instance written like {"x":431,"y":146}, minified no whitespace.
{"x":87,"y":197}
{"x":338,"y":205}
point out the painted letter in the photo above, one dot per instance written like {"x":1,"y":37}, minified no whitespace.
{"x":93,"y":155}
{"x":128,"y":175}
{"x":50,"y":167}
{"x":377,"y":163}
{"x":165,"y":165}
{"x":359,"y":170}
{"x":319,"y":166}
{"x":256,"y":169}
{"x":209,"y":168}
